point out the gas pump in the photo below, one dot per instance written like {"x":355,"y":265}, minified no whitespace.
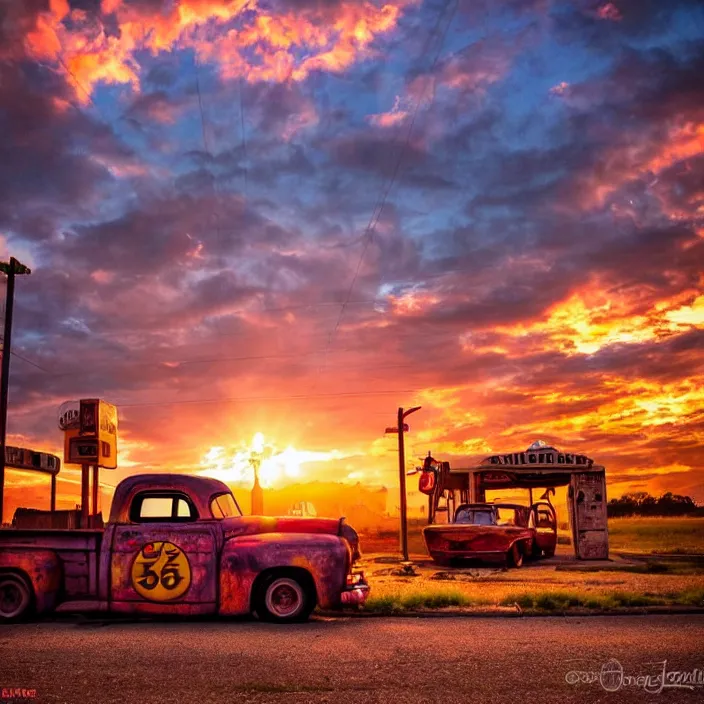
{"x":586,"y":501}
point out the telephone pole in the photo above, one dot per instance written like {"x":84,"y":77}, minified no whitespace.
{"x":402,"y":428}
{"x":11,"y":269}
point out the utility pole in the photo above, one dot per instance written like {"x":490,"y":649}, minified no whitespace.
{"x":400,"y":428}
{"x":11,"y":268}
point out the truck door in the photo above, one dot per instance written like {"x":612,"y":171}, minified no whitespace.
{"x":165,"y":559}
{"x":586,"y":499}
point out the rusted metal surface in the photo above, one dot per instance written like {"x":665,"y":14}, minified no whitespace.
{"x":179,"y":552}
{"x":199,"y":489}
{"x":41,"y":568}
{"x":195,"y":565}
{"x":324,"y":557}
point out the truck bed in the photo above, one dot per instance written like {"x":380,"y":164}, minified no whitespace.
{"x":78,"y":551}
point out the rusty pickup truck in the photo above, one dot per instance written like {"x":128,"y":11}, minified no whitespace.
{"x":179,"y":545}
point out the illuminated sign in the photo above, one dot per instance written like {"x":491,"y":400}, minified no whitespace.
{"x":82,"y":450}
{"x":161,"y":572}
{"x":90,"y":432}
{"x":89,"y":416}
{"x":21,"y":458}
{"x":69,"y":415}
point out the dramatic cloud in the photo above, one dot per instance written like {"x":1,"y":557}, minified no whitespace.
{"x":293,"y":216}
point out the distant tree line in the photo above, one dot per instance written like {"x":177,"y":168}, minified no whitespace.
{"x":641,"y":503}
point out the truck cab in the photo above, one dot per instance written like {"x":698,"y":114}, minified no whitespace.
{"x":179,"y":545}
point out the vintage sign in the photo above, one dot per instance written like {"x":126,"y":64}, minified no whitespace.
{"x":161,"y":572}
{"x":69,"y":415}
{"x":21,"y":458}
{"x":90,"y":432}
{"x":89,"y":416}
{"x":547,"y":455}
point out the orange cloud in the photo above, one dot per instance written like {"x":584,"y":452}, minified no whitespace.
{"x":396,"y":115}
{"x":264,"y":46}
{"x":685,"y":140}
{"x":593,"y":319}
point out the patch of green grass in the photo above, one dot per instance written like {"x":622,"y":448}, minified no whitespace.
{"x":692,"y":597}
{"x":563,"y":600}
{"x":420,"y":599}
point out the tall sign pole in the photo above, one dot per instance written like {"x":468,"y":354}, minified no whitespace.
{"x":11,"y":268}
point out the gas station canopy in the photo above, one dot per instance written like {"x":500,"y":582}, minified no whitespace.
{"x":539,"y":466}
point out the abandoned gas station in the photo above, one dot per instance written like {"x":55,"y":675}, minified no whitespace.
{"x":540,"y":466}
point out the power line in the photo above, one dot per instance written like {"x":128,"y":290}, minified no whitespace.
{"x":379,"y":207}
{"x":24,"y":359}
{"x":228,"y":399}
{"x":29,"y":361}
{"x":244,"y":139}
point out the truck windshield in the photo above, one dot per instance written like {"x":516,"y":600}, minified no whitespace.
{"x":224,"y":506}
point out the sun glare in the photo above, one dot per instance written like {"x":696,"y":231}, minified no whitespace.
{"x":275,"y":467}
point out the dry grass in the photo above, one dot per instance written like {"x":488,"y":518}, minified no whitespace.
{"x":679,"y":535}
{"x":535,"y":587}
{"x":542,"y":587}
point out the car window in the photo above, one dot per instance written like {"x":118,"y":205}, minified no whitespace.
{"x":471,"y":517}
{"x":162,"y":506}
{"x":224,"y":506}
{"x":156,"y":507}
{"x":506,"y":517}
{"x":544,"y":519}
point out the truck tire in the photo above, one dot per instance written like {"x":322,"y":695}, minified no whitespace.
{"x":284,"y":598}
{"x":15,"y":597}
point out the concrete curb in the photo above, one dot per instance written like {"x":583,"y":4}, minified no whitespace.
{"x":514,"y":613}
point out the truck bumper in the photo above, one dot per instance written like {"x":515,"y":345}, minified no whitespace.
{"x":356,"y":592}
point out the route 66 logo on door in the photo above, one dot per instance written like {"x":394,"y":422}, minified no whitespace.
{"x":161,"y":572}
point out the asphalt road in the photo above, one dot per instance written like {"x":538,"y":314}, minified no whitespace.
{"x":351,"y":660}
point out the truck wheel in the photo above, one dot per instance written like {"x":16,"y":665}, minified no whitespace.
{"x":15,"y":597}
{"x":284,"y":599}
{"x":515,"y":557}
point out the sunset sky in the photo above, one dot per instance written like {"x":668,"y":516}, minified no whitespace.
{"x":293,"y":216}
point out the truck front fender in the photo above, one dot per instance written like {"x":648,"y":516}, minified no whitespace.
{"x":42,"y":569}
{"x":246,"y":557}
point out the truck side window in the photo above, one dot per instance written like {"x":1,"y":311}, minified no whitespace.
{"x":162,"y":506}
{"x":224,"y":506}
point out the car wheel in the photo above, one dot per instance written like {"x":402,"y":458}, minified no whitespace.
{"x":550,"y":552}
{"x":15,"y":597}
{"x":284,"y":599}
{"x":516,"y":555}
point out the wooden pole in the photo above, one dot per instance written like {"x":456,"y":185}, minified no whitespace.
{"x":96,"y":484}
{"x":4,"y":381}
{"x":53,"y":493}
{"x":402,"y":482}
{"x":85,"y":495}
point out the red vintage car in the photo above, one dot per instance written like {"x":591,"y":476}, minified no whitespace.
{"x":498,"y":532}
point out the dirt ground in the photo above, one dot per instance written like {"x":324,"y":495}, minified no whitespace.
{"x":547,"y":584}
